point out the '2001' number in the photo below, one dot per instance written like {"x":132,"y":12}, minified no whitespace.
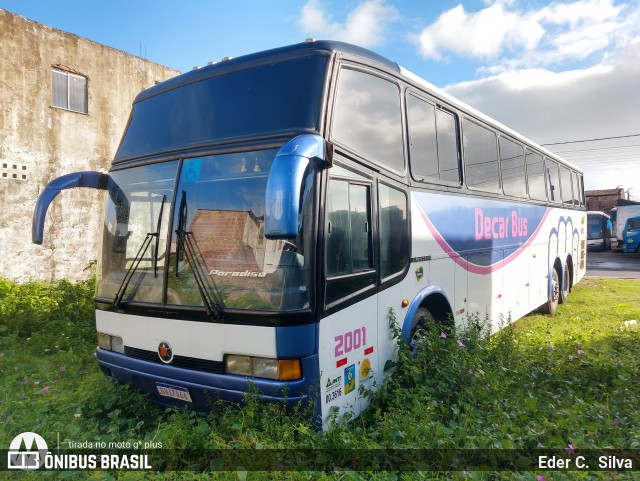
{"x":351,"y":340}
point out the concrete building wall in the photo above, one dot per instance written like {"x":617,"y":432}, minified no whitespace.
{"x":603,"y":200}
{"x":39,"y":142}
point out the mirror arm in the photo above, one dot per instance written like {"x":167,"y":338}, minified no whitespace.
{"x":93,"y":180}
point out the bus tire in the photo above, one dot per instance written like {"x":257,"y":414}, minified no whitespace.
{"x":564,"y":288}
{"x":423,"y":321}
{"x":551,"y":305}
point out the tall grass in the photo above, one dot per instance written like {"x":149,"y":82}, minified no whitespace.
{"x":543,"y":381}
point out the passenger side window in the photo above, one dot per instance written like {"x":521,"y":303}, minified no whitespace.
{"x":368,"y":119}
{"x":394,"y":230}
{"x":348,"y":239}
{"x":576,"y":188}
{"x":535,"y":176}
{"x":567,"y":190}
{"x":433,"y":142}
{"x":514,"y":181}
{"x":553,"y":180}
{"x":480,"y":157}
{"x":337,"y":228}
{"x":579,"y":192}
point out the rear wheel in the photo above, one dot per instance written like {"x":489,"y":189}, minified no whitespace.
{"x":551,"y":305}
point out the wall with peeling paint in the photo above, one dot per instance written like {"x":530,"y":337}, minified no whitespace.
{"x":39,"y":142}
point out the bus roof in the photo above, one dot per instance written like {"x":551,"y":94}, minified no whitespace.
{"x":319,"y":47}
{"x":329,"y":48}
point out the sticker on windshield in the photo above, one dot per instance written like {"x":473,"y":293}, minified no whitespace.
{"x":191,"y":170}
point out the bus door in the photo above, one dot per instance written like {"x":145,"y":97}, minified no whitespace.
{"x":347,"y":334}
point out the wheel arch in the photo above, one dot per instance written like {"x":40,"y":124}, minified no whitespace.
{"x":435,"y":300}
{"x":569,"y":266}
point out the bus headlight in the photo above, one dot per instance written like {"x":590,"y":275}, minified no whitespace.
{"x":110,"y":343}
{"x":279,"y":369}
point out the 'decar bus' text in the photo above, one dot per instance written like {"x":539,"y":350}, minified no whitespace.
{"x":496,"y":227}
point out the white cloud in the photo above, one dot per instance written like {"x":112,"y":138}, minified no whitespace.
{"x":596,"y":102}
{"x":522,"y":80}
{"x":513,"y":38}
{"x":578,"y":29}
{"x":365,"y":25}
{"x":553,"y":106}
{"x":482,"y":34}
{"x":574,"y":13}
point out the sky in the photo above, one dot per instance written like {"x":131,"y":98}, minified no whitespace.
{"x":565,"y":74}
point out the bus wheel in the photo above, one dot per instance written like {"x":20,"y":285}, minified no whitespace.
{"x":422,"y":323}
{"x":551,"y":305}
{"x":564,"y":289}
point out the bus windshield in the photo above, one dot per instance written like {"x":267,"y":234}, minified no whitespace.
{"x":282,"y":96}
{"x":218,"y":256}
{"x":594,"y":227}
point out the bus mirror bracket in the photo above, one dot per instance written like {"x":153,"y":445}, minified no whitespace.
{"x":93,"y":180}
{"x":285,"y":183}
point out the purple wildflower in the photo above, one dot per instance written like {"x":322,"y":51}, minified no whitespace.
{"x":540,"y":477}
{"x":443,"y":335}
{"x":63,"y":369}
{"x":44,"y":390}
{"x":25,"y":380}
{"x":615,"y":422}
{"x":570,"y":449}
{"x":580,"y":352}
{"x":460,"y":344}
{"x":570,"y":357}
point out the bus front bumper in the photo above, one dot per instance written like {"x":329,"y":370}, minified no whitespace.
{"x":204,"y":388}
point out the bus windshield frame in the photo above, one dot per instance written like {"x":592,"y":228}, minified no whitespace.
{"x":215,"y":256}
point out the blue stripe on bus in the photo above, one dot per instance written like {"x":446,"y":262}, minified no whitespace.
{"x":296,"y":341}
{"x":472,"y":224}
{"x":205,"y":387}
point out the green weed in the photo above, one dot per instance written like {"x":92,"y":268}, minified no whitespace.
{"x":542,"y":381}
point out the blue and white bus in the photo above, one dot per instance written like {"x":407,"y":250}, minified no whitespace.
{"x":264,"y":214}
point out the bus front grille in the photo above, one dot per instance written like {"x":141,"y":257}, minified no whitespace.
{"x":185,"y":362}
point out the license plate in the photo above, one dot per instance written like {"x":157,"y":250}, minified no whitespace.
{"x":175,"y":392}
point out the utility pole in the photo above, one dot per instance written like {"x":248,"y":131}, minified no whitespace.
{"x":627,"y":191}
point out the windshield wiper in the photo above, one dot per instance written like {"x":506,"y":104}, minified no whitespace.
{"x":157,"y":234}
{"x":139,"y":256}
{"x":209,"y":293}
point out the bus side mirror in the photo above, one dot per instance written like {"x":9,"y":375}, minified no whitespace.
{"x":285,"y":183}
{"x":93,"y":180}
